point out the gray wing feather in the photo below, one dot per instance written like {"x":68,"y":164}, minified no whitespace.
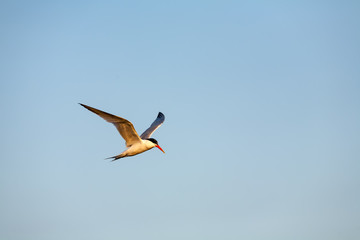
{"x":157,"y":123}
{"x":125,"y":128}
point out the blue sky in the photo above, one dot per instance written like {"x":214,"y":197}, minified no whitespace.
{"x":262,"y":111}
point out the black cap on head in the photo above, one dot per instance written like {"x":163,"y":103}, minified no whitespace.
{"x":153,"y":140}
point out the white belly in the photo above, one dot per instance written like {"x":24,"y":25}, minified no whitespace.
{"x":138,"y":148}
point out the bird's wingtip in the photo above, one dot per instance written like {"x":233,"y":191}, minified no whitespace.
{"x":85,"y":106}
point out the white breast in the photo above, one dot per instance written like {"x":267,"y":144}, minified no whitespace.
{"x":139,"y":147}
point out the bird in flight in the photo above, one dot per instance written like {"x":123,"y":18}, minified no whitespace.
{"x":135,"y":144}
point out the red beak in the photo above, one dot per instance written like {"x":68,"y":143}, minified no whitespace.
{"x":159,"y":148}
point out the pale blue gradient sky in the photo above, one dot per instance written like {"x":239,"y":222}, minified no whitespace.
{"x":262,"y":132}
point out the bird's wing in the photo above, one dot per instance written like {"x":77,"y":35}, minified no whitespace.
{"x":125,"y":128}
{"x":157,"y":123}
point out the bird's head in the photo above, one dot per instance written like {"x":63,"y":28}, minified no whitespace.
{"x":155,"y":143}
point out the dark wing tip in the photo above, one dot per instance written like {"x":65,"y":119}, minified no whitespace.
{"x":161,"y":115}
{"x":87,"y":107}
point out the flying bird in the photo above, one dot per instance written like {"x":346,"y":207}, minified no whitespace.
{"x":135,"y":144}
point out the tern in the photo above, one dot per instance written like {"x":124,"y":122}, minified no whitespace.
{"x":135,"y":144}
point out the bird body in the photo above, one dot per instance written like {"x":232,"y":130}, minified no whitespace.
{"x":135,"y":149}
{"x":135,"y":144}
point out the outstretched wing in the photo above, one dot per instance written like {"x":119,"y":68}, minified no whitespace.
{"x":157,"y":123}
{"x":125,"y":128}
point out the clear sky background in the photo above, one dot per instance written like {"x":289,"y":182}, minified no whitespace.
{"x":262,"y":133}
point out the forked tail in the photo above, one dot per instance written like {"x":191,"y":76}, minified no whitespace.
{"x":114,"y":158}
